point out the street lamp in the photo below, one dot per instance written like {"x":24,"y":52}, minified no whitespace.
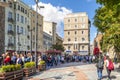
{"x":36,"y":29}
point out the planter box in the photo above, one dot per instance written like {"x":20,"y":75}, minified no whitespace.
{"x":29,"y":71}
{"x":41,"y":67}
{"x":14,"y":75}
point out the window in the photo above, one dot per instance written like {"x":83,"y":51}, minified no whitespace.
{"x":83,"y":25}
{"x":25,"y":20}
{"x":17,"y":29}
{"x":17,"y":17}
{"x":22,"y":19}
{"x":75,"y":26}
{"x":69,"y":39}
{"x":82,"y":19}
{"x":68,"y":20}
{"x":82,"y":32}
{"x":10,"y":15}
{"x":75,"y":32}
{"x":18,"y":7}
{"x":83,"y":39}
{"x":75,"y":20}
{"x":10,"y":39}
{"x":25,"y":11}
{"x":68,"y":47}
{"x":75,"y":39}
{"x":21,"y":30}
{"x":82,"y":47}
{"x":75,"y":46}
{"x":68,"y":33}
{"x":9,"y":27}
{"x":10,"y":5}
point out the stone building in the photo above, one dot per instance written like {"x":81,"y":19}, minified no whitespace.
{"x":39,"y":32}
{"x":77,"y":33}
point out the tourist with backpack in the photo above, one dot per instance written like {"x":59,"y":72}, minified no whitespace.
{"x":100,"y":65}
{"x":109,"y":66}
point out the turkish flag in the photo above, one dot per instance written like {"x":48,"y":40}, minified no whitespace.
{"x":96,"y":51}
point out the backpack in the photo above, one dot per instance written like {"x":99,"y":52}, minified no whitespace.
{"x":111,"y":65}
{"x":100,"y":64}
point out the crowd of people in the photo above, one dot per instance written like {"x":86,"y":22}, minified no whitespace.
{"x":50,"y":59}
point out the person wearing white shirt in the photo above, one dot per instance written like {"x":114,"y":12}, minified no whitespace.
{"x":106,"y":65}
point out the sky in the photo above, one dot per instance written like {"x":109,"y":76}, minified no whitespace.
{"x":56,"y":10}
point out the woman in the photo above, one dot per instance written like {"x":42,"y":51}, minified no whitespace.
{"x":107,"y":65}
{"x":19,"y":60}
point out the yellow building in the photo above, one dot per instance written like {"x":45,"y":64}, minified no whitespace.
{"x":77,"y":33}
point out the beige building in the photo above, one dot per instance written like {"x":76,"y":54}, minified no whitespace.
{"x":97,"y":40}
{"x":39,"y":31}
{"x":77,"y":33}
{"x":50,"y":28}
{"x":59,"y":40}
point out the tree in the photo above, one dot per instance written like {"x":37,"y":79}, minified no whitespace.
{"x":58,"y":47}
{"x":107,"y":21}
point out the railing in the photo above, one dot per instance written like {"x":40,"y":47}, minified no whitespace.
{"x":11,"y":32}
{"x":11,"y":44}
{"x":10,"y":20}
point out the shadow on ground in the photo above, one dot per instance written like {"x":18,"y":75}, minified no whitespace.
{"x":112,"y":77}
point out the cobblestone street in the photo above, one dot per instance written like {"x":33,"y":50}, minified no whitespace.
{"x":73,"y":71}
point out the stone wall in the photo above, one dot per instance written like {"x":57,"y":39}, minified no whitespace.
{"x":2,"y":29}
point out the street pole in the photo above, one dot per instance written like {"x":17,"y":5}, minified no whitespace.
{"x":36,"y":32}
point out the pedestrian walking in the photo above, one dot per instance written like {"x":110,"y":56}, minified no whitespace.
{"x":109,"y":66}
{"x":100,"y":65}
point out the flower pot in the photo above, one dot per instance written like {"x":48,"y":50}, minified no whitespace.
{"x":14,"y":75}
{"x":42,"y":67}
{"x":29,"y":71}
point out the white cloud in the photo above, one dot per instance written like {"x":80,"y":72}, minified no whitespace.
{"x":54,"y":14}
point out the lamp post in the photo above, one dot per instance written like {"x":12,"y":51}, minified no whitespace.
{"x":36,"y":29}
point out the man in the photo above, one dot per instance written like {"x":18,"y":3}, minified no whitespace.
{"x":100,"y":65}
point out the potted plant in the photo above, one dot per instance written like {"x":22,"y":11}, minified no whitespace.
{"x":29,"y":68}
{"x":11,"y":72}
{"x":41,"y":65}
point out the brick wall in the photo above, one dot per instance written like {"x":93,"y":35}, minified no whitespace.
{"x":2,"y":29}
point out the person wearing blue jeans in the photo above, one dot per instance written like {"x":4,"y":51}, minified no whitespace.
{"x":99,"y":72}
{"x":99,"y":65}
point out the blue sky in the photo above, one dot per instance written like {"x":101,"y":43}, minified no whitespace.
{"x":73,"y":6}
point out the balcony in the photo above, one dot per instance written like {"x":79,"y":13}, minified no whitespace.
{"x":10,"y":20}
{"x":10,"y":44}
{"x":10,"y":32}
{"x":28,"y":47}
{"x":28,"y":36}
{"x":28,"y":26}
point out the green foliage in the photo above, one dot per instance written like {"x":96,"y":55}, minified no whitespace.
{"x":41,"y":62}
{"x":8,"y":68}
{"x":58,"y":47}
{"x":107,"y":21}
{"x":29,"y":64}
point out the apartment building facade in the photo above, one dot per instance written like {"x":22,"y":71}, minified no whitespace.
{"x":39,"y":36}
{"x":50,"y":29}
{"x":15,"y":24}
{"x":77,"y":33}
